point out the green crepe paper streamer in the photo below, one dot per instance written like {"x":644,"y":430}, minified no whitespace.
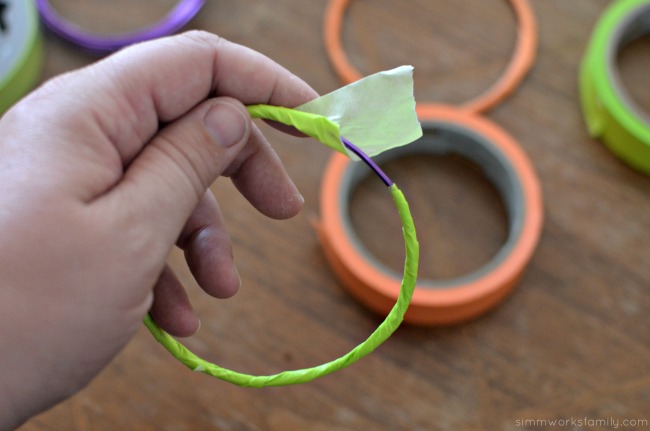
{"x":321,"y":129}
{"x":381,"y":334}
{"x":317,"y":126}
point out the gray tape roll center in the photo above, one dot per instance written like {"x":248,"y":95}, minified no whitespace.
{"x":14,"y":34}
{"x":21,"y":53}
{"x":634,"y":26}
{"x":3,"y":19}
{"x":442,"y":138}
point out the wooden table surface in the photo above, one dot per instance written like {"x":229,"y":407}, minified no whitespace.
{"x":572,"y":341}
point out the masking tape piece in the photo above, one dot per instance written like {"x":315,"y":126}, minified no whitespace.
{"x":381,"y":334}
{"x":21,"y":51}
{"x":451,"y":301}
{"x":376,"y":113}
{"x":521,"y":62}
{"x":610,"y":112}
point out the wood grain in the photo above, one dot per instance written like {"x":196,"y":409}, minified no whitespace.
{"x":571,"y":342}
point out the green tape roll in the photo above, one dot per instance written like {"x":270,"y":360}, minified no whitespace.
{"x":610,"y":113}
{"x":21,"y":50}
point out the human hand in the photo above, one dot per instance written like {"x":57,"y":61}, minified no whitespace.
{"x":102,"y":171}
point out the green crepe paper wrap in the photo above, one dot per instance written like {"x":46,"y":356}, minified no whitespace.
{"x":317,"y":126}
{"x":381,"y":334}
{"x":339,"y":106}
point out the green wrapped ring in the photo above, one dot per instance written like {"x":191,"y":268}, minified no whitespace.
{"x":302,"y":122}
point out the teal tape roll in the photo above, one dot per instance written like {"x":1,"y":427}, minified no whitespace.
{"x":21,"y":50}
{"x":610,"y":112}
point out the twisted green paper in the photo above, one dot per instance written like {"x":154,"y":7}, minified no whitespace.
{"x":381,"y":334}
{"x":317,"y":126}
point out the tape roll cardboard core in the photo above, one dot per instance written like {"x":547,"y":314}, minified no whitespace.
{"x":461,"y":217}
{"x":437,"y":302}
{"x":634,"y":26}
{"x":442,"y":138}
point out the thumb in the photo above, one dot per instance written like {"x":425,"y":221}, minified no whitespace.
{"x":166,"y":181}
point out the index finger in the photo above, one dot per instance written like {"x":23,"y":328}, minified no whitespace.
{"x":131,"y":92}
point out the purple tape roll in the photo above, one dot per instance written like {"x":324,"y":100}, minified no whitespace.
{"x":182,"y":13}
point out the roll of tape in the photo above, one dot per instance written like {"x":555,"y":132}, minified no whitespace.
{"x":179,"y":16}
{"x":21,"y":50}
{"x":446,"y":130}
{"x":610,"y":113}
{"x":522,"y":60}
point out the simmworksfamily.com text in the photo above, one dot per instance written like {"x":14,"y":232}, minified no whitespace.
{"x":613,"y":423}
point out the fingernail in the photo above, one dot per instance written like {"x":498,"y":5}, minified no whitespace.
{"x":236,"y":272}
{"x":225,"y":124}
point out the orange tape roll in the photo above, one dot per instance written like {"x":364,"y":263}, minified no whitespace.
{"x":446,"y":130}
{"x":520,"y":63}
